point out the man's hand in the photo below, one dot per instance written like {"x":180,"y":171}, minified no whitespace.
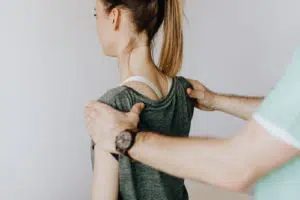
{"x":207,"y":100}
{"x":205,"y":97}
{"x":104,"y":123}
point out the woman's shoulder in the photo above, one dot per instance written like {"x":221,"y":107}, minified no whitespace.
{"x":184,"y":82}
{"x":118,"y":97}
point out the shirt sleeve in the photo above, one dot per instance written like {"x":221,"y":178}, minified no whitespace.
{"x":119,"y":99}
{"x":279,"y":114}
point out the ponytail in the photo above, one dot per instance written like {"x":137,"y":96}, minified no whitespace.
{"x":148,"y":15}
{"x":172,"y":48}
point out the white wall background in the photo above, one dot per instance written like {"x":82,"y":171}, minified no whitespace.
{"x":51,"y":66}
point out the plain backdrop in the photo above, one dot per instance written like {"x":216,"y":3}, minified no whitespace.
{"x":51,"y":65}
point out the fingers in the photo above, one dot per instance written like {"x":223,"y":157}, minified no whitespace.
{"x":91,"y":104}
{"x":204,"y":100}
{"x":137,"y":108}
{"x":90,"y":130}
{"x":94,"y":108}
{"x":88,"y":118}
{"x":90,"y":113}
{"x":196,"y":84}
{"x":195,"y":94}
{"x":131,"y":119}
{"x":192,"y":81}
{"x":95,"y":111}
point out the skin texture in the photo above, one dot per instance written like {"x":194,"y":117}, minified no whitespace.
{"x":238,"y":106}
{"x":234,"y":163}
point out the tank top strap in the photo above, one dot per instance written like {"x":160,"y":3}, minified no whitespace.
{"x":146,"y":81}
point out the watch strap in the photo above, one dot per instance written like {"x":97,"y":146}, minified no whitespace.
{"x":134,"y":134}
{"x":124,"y":151}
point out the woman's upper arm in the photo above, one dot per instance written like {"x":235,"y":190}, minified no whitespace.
{"x":105,"y":176}
{"x":105,"y":165}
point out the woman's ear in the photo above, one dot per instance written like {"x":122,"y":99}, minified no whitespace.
{"x":115,"y":17}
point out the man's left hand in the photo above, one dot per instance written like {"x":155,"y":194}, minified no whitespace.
{"x":104,"y":123}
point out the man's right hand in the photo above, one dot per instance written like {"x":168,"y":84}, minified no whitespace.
{"x":240,"y":106}
{"x":206,"y":99}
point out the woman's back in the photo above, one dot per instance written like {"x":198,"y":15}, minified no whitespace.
{"x":172,"y":116}
{"x":126,"y":30}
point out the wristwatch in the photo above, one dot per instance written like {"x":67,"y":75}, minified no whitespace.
{"x":124,"y":141}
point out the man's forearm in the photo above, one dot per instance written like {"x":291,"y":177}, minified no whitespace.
{"x":239,"y":106}
{"x":208,"y":160}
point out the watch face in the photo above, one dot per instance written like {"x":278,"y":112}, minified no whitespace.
{"x":124,"y":140}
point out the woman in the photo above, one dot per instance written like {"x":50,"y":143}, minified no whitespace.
{"x":126,"y":30}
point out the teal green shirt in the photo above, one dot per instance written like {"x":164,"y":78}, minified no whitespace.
{"x":280,"y":116}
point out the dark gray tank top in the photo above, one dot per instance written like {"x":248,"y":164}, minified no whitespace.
{"x":170,"y":116}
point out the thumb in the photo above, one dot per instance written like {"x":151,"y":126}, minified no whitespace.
{"x":196,"y":94}
{"x":137,"y":108}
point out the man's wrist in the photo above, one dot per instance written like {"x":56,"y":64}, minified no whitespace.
{"x":218,"y":100}
{"x":212,"y":100}
{"x":140,"y":138}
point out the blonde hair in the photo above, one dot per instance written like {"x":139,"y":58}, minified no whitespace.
{"x":171,"y":56}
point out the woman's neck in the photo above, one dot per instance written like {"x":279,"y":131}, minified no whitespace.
{"x":138,"y":62}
